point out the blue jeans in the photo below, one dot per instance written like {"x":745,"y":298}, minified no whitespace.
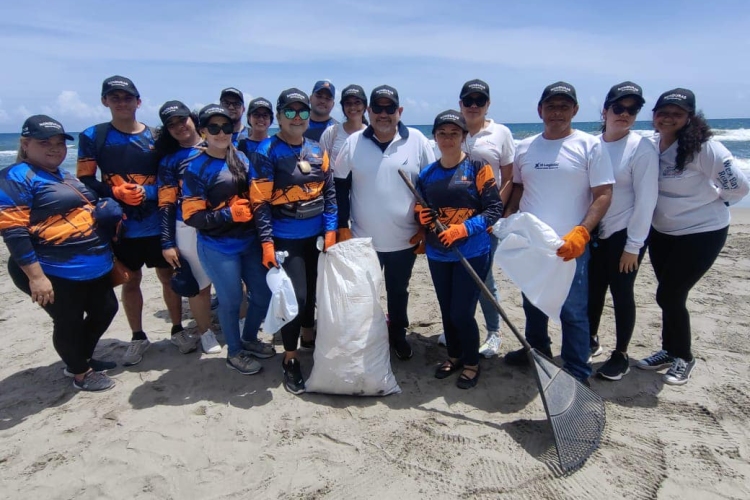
{"x":227,"y":272}
{"x":397,"y":267}
{"x":575,"y":323}
{"x":491,"y":316}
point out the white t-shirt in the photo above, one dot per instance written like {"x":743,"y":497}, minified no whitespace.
{"x":492,"y":145}
{"x":692,"y":200}
{"x":557,"y":177}
{"x":382,"y":207}
{"x":635,"y":162}
{"x":333,"y":140}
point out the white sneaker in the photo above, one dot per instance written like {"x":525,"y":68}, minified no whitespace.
{"x":209,"y":343}
{"x":491,"y":345}
{"x":441,"y":340}
{"x":135,"y":351}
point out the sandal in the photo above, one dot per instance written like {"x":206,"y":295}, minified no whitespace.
{"x":447,"y":369}
{"x":464,"y":382}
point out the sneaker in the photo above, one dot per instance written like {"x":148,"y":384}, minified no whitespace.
{"x":657,"y":361}
{"x":680,"y":371}
{"x":135,"y":351}
{"x":520,"y":358}
{"x":259,"y":349}
{"x":293,"y":381}
{"x":96,"y":365}
{"x":403,"y":349}
{"x":243,"y":363}
{"x":94,"y":382}
{"x":209,"y":344}
{"x":615,"y":367}
{"x":491,"y":346}
{"x":186,"y":342}
{"x":595,"y":348}
{"x":441,"y":340}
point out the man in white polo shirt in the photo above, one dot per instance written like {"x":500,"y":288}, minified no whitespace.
{"x":564,"y":178}
{"x":380,"y":204}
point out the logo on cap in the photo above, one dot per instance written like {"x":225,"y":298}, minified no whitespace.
{"x":50,"y":125}
{"x":387,"y":92}
{"x":114,"y":83}
{"x":450,"y":117}
{"x":628,"y":88}
{"x":214,"y":110}
{"x":169,"y":110}
{"x":674,"y":97}
{"x":560,"y":88}
{"x":295,"y":95}
{"x":477,"y":86}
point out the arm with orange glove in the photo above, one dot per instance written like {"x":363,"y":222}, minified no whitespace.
{"x":576,"y":240}
{"x":269,"y":255}
{"x":329,"y":240}
{"x":129,"y":193}
{"x":574,"y":243}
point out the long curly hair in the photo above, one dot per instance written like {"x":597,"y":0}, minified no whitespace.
{"x":690,"y":139}
{"x":166,"y":144}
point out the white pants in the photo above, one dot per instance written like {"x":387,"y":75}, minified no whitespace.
{"x":187,"y":244}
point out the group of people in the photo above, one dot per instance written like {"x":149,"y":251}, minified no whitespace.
{"x":208,"y":194}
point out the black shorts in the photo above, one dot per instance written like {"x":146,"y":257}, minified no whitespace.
{"x":135,"y":252}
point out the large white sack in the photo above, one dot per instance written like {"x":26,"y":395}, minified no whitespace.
{"x":527,"y":254}
{"x":283,"y":307}
{"x":352,"y":354}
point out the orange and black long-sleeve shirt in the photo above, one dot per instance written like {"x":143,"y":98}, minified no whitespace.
{"x":43,"y":218}
{"x":171,"y":171}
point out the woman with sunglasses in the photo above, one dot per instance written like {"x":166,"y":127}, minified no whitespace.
{"x":617,"y":250}
{"x":260,"y":118}
{"x":178,"y":147}
{"x":697,"y":181}
{"x":215,"y":202}
{"x":52,"y":227}
{"x":463,"y":195}
{"x":294,"y":202}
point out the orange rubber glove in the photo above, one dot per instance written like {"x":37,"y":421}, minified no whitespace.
{"x":240,"y":210}
{"x":425,"y":216}
{"x":130,"y":194}
{"x":269,"y":255}
{"x":575,"y":243}
{"x":343,"y":234}
{"x":329,"y":240}
{"x":419,"y":239}
{"x":453,"y":233}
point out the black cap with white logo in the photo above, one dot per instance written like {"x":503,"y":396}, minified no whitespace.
{"x":171,"y":109}
{"x":624,"y":89}
{"x":354,"y":91}
{"x":259,"y":103}
{"x":683,"y":98}
{"x":475,"y":86}
{"x":384,"y":91}
{"x":43,"y":127}
{"x":118,"y":82}
{"x":212,"y":110}
{"x":290,"y":96}
{"x":449,"y":116}
{"x":234,"y":92}
{"x":559,"y":88}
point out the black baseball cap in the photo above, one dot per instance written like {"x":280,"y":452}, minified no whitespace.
{"x":232,"y":91}
{"x":624,"y":89}
{"x":324,"y":85}
{"x":43,"y":127}
{"x":290,"y":96}
{"x":258,"y":103}
{"x":449,"y":116}
{"x":683,"y":98}
{"x":559,"y":88}
{"x":384,"y":91}
{"x":354,"y":91}
{"x":475,"y":86}
{"x":171,"y":109}
{"x":212,"y":110}
{"x":118,"y":82}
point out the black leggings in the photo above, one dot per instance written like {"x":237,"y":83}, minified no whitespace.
{"x":604,"y":272}
{"x":679,"y":262}
{"x":81,"y":313}
{"x":302,"y":267}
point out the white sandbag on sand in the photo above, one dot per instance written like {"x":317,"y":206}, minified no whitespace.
{"x":352,"y":354}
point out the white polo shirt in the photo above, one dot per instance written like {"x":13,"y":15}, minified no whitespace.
{"x":382,"y":207}
{"x":557,"y":177}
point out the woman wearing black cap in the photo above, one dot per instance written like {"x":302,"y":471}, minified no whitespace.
{"x":294,"y":202}
{"x":215,"y":201}
{"x":178,"y":146}
{"x":617,"y":250}
{"x":697,"y":182}
{"x":463,"y":195}
{"x":260,"y":118}
{"x":353,"y":104}
{"x":51,"y":225}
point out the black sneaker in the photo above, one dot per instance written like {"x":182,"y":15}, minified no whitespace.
{"x":293,"y":381}
{"x":520,"y":358}
{"x":595,"y":347}
{"x":615,"y":367}
{"x":403,"y":349}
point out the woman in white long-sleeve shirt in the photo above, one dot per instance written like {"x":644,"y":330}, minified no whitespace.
{"x":698,"y":180}
{"x":617,"y":251}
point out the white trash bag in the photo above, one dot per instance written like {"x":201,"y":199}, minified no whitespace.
{"x":352,"y":354}
{"x":283,"y":306}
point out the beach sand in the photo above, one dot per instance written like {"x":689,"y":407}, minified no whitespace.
{"x":184,"y":426}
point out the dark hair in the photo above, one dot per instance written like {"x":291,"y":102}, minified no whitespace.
{"x":238,"y":169}
{"x":364,"y":117}
{"x":690,"y":139}
{"x":166,"y":144}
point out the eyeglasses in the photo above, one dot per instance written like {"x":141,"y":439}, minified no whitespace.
{"x":231,"y":104}
{"x":302,"y":113}
{"x":619,"y":109}
{"x":390,"y":109}
{"x":480,"y":101}
{"x":214,"y":128}
{"x":181,"y":120}
{"x":261,"y":116}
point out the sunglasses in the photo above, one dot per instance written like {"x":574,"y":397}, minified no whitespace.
{"x":214,"y":128}
{"x":390,"y":109}
{"x":618,"y":109}
{"x":302,"y":113}
{"x":480,"y":101}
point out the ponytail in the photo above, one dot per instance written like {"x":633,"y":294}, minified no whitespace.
{"x":238,"y":169}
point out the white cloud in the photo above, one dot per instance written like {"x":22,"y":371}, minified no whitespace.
{"x":69,"y":104}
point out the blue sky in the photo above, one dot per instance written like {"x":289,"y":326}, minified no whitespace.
{"x":55,"y":54}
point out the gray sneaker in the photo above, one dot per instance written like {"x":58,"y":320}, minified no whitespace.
{"x":259,"y":349}
{"x":244,"y":364}
{"x":657,"y":361}
{"x":94,"y":382}
{"x":186,"y":342}
{"x":680,"y":371}
{"x":135,"y":351}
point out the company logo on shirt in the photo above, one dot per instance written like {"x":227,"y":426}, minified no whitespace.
{"x":671,"y":172}
{"x":547,"y":166}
